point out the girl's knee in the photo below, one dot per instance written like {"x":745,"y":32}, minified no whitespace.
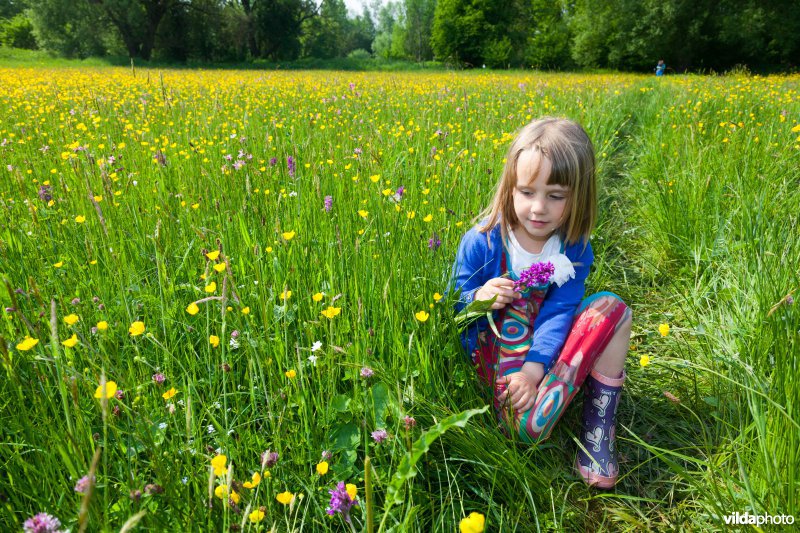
{"x":604,"y":300}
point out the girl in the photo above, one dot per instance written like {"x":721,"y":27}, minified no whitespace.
{"x":551,"y":340}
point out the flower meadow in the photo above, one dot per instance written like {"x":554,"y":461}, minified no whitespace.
{"x":225,"y":307}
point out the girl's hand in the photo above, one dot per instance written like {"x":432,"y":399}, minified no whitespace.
{"x":503,"y":288}
{"x":522,"y":386}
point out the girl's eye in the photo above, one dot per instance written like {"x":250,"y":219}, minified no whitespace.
{"x":557,"y":197}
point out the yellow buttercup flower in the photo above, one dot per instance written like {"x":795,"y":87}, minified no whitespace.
{"x":644,"y":360}
{"x":422,"y":316}
{"x":169,"y":394}
{"x":285,"y":497}
{"x":213,"y":340}
{"x":71,"y":342}
{"x":59,"y":264}
{"x":110,"y":390}
{"x":436,"y":296}
{"x":663,"y":329}
{"x":322,"y":468}
{"x":137,"y":328}
{"x":245,"y":310}
{"x":102,"y":325}
{"x":71,"y":319}
{"x":362,"y":213}
{"x":254,"y":483}
{"x":428,"y":218}
{"x":331,"y":311}
{"x":213,"y":255}
{"x":291,"y":374}
{"x":285,"y":295}
{"x":192,"y":309}
{"x":288,"y":235}
{"x":474,"y":523}
{"x":352,"y":491}
{"x":80,"y":219}
{"x":219,"y":267}
{"x":211,"y":287}
{"x":256,"y":516}
{"x":317,"y":297}
{"x":27,"y":343}
{"x":218,"y":463}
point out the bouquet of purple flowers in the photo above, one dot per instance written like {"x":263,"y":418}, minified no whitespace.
{"x":536,"y":275}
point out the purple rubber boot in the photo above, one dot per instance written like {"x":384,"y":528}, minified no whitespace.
{"x":600,"y":468}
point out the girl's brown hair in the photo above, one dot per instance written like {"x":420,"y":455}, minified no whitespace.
{"x":570,"y":151}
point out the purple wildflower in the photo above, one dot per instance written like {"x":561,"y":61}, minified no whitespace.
{"x":83,"y":484}
{"x":379,"y":435}
{"x":535,"y":275}
{"x":341,"y":502}
{"x":789,"y":300}
{"x":45,"y":193}
{"x":42,"y":523}
{"x":269,"y":459}
{"x":75,"y":301}
{"x":120,"y":394}
{"x":290,"y":165}
{"x":228,"y":157}
{"x":234,"y":334}
{"x":159,"y":378}
{"x":409,"y":422}
{"x":326,"y":454}
{"x":328,"y":203}
{"x":434,"y":243}
{"x":367,"y":372}
{"x":398,"y":195}
{"x":238,"y":164}
{"x":273,"y":161}
{"x":357,"y":151}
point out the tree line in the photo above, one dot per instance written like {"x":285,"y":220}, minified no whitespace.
{"x":545,"y":34}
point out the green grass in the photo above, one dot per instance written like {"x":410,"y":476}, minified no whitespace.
{"x":698,"y":229}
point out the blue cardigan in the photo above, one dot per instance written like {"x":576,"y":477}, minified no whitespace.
{"x":477,"y":263}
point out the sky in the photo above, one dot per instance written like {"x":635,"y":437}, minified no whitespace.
{"x":356,"y":7}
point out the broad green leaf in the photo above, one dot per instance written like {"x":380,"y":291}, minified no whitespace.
{"x":406,"y":470}
{"x":345,"y":437}
{"x":380,"y":399}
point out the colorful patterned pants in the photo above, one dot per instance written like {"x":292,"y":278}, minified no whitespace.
{"x":596,"y":320}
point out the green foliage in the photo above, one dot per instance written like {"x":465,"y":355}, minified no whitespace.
{"x":71,"y":29}
{"x":17,"y":32}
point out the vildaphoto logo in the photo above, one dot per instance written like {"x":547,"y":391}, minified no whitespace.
{"x":743,"y":519}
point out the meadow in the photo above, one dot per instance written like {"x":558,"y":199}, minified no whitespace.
{"x":224,"y":292}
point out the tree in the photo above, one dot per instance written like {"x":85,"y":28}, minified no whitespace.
{"x":474,"y":32}
{"x":547,"y":41}
{"x":71,"y":29}
{"x":327,"y":35}
{"x":279,"y":26}
{"x":136,"y":21}
{"x":419,"y":24}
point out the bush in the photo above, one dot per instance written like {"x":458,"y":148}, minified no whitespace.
{"x":17,"y":32}
{"x":359,"y":53}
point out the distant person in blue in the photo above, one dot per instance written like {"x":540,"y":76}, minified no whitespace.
{"x":660,"y":67}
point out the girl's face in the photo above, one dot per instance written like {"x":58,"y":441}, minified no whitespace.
{"x":540,"y":208}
